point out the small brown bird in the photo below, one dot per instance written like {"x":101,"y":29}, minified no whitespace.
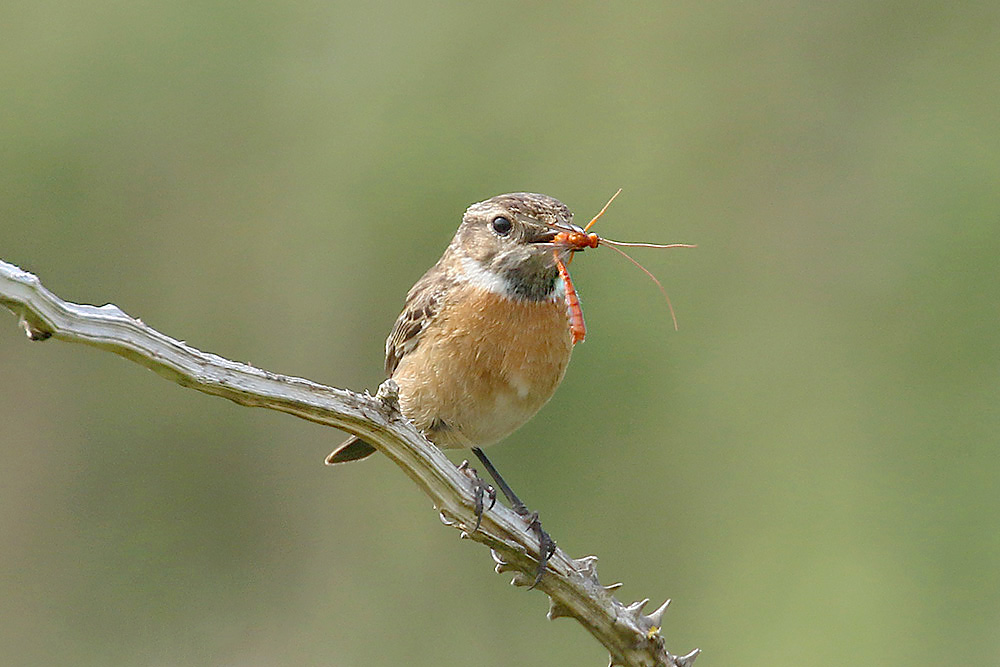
{"x":483,"y":340}
{"x":484,"y":337}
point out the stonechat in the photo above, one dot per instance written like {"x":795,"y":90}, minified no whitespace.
{"x":484,"y":337}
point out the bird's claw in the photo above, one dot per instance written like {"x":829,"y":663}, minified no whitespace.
{"x":480,"y":491}
{"x":546,"y":545}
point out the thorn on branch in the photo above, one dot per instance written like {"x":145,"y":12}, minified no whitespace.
{"x":655,"y":619}
{"x":687,"y":660}
{"x":587,"y":567}
{"x":34,"y":328}
{"x":558,"y":610}
{"x":635,"y":609}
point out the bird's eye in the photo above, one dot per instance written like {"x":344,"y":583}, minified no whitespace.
{"x":501,"y":225}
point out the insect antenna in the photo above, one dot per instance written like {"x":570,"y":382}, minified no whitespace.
{"x":611,"y":243}
{"x":571,"y":238}
{"x":670,"y":306}
{"x":629,"y":244}
{"x":601,"y":212}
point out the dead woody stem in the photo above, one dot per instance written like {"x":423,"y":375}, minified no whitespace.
{"x":632,"y":637}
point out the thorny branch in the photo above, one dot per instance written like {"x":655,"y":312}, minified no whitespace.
{"x":632,"y":637}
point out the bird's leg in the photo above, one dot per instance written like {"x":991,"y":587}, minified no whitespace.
{"x":546,"y":545}
{"x":480,"y":490}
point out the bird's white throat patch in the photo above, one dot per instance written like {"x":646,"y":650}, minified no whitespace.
{"x":491,"y":281}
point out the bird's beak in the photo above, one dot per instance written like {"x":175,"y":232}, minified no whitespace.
{"x":545,"y":235}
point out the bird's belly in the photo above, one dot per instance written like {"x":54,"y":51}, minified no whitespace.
{"x":485,"y":369}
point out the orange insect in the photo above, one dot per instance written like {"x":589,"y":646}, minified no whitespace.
{"x":577,"y":327}
{"x":576,"y":239}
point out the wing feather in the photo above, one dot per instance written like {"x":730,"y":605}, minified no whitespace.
{"x":422,"y":304}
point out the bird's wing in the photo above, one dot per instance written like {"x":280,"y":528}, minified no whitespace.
{"x":422,"y":305}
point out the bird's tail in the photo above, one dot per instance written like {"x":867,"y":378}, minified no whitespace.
{"x":352,"y":449}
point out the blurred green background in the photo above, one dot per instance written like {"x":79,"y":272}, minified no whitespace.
{"x":809,"y":467}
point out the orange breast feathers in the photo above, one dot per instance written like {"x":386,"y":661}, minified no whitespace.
{"x":485,"y":366}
